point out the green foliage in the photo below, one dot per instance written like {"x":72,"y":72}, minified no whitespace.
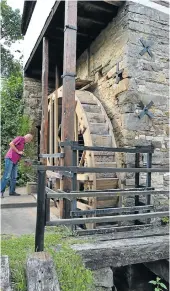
{"x":158,"y":285}
{"x":14,"y":122}
{"x":72,"y":274}
{"x":8,"y":64}
{"x":165,"y":220}
{"x":10,"y":109}
{"x":10,"y":23}
{"x":10,"y":33}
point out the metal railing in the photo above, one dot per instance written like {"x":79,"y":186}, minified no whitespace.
{"x":45,"y":193}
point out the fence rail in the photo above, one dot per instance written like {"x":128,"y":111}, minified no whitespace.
{"x":45,"y":193}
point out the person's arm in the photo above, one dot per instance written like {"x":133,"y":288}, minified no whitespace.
{"x":12,"y":146}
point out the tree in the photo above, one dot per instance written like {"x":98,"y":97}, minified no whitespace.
{"x":10,"y":33}
{"x":10,"y":24}
{"x":13,"y":122}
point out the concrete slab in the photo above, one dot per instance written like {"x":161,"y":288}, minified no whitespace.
{"x":18,"y":221}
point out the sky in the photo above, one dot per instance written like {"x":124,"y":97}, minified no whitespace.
{"x":16,"y":4}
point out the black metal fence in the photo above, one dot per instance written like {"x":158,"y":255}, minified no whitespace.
{"x":115,"y":214}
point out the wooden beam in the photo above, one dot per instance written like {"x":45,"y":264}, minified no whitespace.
{"x":56,"y":116}
{"x":68,"y":102}
{"x":44,"y":123}
{"x":97,"y":7}
{"x":84,"y":18}
{"x":114,"y":2}
{"x":51,"y":130}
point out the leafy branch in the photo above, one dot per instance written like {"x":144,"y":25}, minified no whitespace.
{"x":158,"y":285}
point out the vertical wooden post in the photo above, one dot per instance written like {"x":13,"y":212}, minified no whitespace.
{"x":51,"y":130}
{"x":68,"y":100}
{"x":56,"y":117}
{"x":44,"y":123}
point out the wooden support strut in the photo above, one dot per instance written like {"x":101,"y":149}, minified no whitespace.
{"x":44,"y":123}
{"x":68,"y":101}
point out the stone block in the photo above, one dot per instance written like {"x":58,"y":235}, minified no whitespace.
{"x":131,"y":122}
{"x":120,"y":87}
{"x":103,"y":278}
{"x":31,"y":188}
{"x":5,"y":274}
{"x":41,"y":274}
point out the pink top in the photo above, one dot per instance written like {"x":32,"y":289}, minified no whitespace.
{"x":19,"y":142}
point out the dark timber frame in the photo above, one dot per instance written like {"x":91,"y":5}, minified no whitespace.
{"x":44,"y":123}
{"x":74,"y":215}
{"x":69,"y":73}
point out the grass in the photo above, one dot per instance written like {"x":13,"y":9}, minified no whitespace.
{"x":72,"y":274}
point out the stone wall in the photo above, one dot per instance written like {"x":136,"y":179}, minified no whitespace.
{"x":144,"y":78}
{"x":32,"y":98}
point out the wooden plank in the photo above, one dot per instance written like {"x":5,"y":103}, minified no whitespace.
{"x":69,"y":73}
{"x":44,"y":123}
{"x":83,"y":206}
{"x":106,"y":183}
{"x":102,"y":194}
{"x":104,"y":219}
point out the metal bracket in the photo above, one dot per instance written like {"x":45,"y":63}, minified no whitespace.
{"x":70,"y":27}
{"x":68,"y":75}
{"x":68,"y":143}
{"x":57,"y":155}
{"x":146,"y":48}
{"x":145,"y":110}
{"x":118,"y":74}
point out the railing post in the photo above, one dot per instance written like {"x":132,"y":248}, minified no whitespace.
{"x":47,"y":204}
{"x":148,"y":178}
{"x":74,"y":183}
{"x":137,"y":163}
{"x":40,"y":223}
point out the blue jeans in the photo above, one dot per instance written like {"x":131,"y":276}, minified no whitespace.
{"x":10,"y":174}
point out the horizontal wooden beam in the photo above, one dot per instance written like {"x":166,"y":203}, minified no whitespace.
{"x":74,"y":221}
{"x":84,"y":18}
{"x":82,"y":170}
{"x":97,"y":7}
{"x":103,"y":194}
{"x":114,"y":2}
{"x":111,"y":210}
